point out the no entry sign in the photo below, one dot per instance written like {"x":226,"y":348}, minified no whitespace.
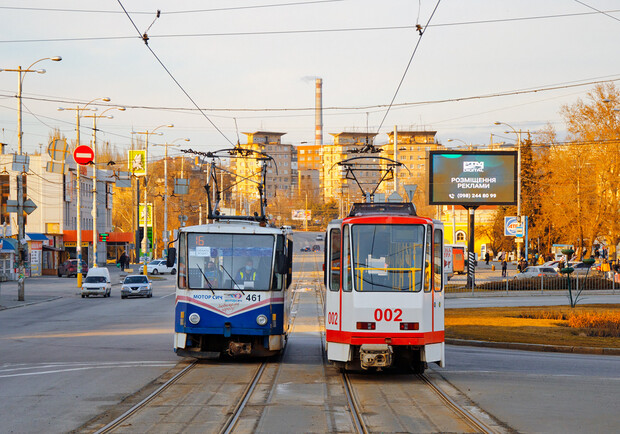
{"x":83,"y":155}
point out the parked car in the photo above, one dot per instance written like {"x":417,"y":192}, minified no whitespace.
{"x":319,"y":237}
{"x":579,"y":268}
{"x":69,"y":268}
{"x":136,"y":286}
{"x":536,"y":271}
{"x":97,"y":282}
{"x":158,"y":266}
{"x":305,"y":249}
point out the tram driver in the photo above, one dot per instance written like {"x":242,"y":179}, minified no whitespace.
{"x":246,"y":274}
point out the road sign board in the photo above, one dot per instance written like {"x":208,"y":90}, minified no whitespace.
{"x":29,"y":206}
{"x":83,"y":155}
{"x":510,"y":226}
{"x":519,"y":231}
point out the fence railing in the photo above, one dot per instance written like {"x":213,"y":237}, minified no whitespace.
{"x":511,"y":284}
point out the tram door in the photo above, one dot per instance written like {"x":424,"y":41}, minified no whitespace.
{"x":332,"y":281}
{"x":438,"y":280}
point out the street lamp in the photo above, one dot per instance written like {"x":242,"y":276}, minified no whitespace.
{"x":95,"y":208}
{"x":518,"y":133}
{"x":166,"y":145}
{"x":147,"y":133}
{"x":78,"y":228}
{"x":20,"y":185}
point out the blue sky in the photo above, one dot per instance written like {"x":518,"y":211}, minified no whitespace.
{"x":471,"y":48}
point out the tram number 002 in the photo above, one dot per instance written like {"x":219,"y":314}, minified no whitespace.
{"x":388,"y":314}
{"x":332,"y":318}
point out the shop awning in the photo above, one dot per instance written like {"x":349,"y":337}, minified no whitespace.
{"x":6,"y":246}
{"x":52,"y":249}
{"x":30,"y":236}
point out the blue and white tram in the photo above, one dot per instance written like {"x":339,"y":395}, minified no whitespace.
{"x":232,"y":292}
{"x":384,"y":302}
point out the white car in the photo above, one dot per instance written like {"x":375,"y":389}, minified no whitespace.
{"x":158,"y":266}
{"x":97,"y":282}
{"x":536,"y":271}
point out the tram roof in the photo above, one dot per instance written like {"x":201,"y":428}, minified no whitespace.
{"x":236,"y":226}
{"x":383,"y":209}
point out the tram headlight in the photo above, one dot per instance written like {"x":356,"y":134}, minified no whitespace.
{"x":261,"y":320}
{"x":194,"y":318}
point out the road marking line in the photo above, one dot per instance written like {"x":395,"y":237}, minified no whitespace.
{"x":156,"y":331}
{"x":25,"y":374}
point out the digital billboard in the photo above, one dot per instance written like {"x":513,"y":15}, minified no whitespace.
{"x":472,"y":178}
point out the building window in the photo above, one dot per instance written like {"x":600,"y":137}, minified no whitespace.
{"x":460,"y":236}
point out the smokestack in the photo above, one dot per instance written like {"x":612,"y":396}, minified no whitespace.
{"x":318,"y":121}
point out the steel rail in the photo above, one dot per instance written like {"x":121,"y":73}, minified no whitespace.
{"x":229,"y":426}
{"x":356,"y":413}
{"x":232,"y":421}
{"x":469,"y":418}
{"x":110,"y":426}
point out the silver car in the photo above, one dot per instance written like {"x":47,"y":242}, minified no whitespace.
{"x":136,"y":286}
{"x":536,"y":271}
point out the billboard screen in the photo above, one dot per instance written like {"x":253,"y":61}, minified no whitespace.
{"x":472,"y":178}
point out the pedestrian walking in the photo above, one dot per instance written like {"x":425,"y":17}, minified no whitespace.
{"x":486,"y":257}
{"x":504,"y":267}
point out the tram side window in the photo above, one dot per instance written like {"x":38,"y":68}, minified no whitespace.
{"x":438,"y":260}
{"x":334,"y":260}
{"x":427,"y":260}
{"x":347,"y":284}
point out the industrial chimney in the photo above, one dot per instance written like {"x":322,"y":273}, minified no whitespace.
{"x":318,"y":121}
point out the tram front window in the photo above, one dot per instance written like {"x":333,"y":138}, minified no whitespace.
{"x":229,"y":261}
{"x":388,"y":257}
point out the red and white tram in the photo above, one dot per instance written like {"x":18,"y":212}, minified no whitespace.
{"x":384,"y":302}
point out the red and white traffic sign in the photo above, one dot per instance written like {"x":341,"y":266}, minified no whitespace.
{"x":83,"y":155}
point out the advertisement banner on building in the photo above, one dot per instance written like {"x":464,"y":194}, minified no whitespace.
{"x":137,"y":162}
{"x":472,"y":178}
{"x":149,"y":217}
{"x":301,"y":214}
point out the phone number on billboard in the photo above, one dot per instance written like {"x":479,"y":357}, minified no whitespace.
{"x":476,"y":195}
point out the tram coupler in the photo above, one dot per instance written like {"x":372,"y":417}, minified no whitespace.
{"x":375,"y":356}
{"x":239,"y":348}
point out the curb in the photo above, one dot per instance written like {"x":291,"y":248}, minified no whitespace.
{"x":536,"y":347}
{"x":29,"y":304}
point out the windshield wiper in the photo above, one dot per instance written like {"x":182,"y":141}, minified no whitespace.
{"x":208,"y":283}
{"x":232,"y":280}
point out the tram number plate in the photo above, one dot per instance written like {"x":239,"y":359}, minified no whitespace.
{"x":332,"y":318}
{"x":388,"y":315}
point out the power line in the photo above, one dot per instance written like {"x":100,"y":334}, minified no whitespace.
{"x":597,"y":10}
{"x":559,"y":86}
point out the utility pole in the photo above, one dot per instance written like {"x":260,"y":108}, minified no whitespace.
{"x":21,"y":230}
{"x":146,"y":147}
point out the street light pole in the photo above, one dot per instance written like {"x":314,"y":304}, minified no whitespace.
{"x":146,"y":159}
{"x":519,"y":240}
{"x":95,"y":208}
{"x":21,"y":230}
{"x":78,"y":226}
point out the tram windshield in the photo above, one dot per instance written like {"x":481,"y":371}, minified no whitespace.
{"x":228,"y":261}
{"x":388,"y":257}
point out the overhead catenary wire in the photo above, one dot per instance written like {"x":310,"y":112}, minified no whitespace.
{"x":415,"y":49}
{"x":307,"y":31}
{"x":145,"y":38}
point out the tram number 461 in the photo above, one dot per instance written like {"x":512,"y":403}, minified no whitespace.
{"x":388,"y":315}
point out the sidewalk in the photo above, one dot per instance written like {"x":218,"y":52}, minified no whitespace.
{"x":46,"y":288}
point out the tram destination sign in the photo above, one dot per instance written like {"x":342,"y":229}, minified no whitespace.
{"x":472,"y":178}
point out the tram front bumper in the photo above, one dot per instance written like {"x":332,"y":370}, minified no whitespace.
{"x":375,"y":356}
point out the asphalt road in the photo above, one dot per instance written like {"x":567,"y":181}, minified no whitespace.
{"x":65,"y":361}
